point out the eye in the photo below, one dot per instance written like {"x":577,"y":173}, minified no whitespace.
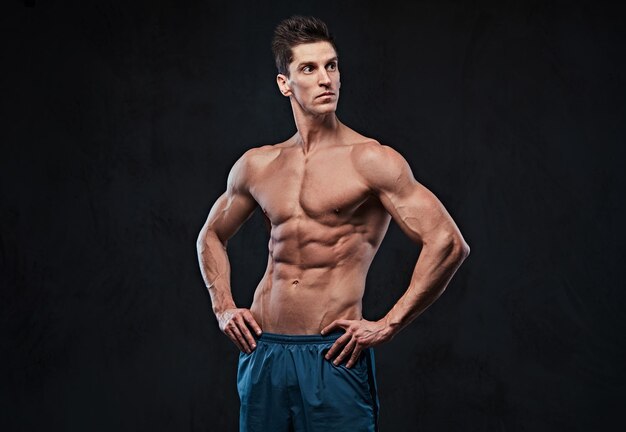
{"x":306,"y":69}
{"x":332,"y":66}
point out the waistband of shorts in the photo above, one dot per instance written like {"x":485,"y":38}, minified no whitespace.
{"x":300,"y":339}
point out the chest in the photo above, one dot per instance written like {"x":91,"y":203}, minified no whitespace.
{"x":324,"y":187}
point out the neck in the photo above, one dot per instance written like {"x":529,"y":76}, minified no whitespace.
{"x":315,"y":130}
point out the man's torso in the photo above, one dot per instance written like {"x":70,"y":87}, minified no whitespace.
{"x":326,"y":226}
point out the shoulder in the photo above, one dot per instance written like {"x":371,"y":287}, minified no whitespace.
{"x":256,"y":157}
{"x":249,"y":164}
{"x":369,"y":153}
{"x":380,"y":166}
{"x":372,"y":154}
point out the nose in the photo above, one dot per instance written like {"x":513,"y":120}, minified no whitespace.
{"x":324,"y":78}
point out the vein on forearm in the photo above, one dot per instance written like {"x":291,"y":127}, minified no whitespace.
{"x":437,"y":263}
{"x":215,"y":268}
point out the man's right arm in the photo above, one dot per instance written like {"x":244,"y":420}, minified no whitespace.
{"x":227,"y":215}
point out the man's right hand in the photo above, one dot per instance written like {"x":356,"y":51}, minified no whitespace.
{"x":234,"y":323}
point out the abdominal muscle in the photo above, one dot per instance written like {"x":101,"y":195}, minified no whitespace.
{"x":308,"y":284}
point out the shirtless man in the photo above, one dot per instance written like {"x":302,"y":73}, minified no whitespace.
{"x":328,"y":194}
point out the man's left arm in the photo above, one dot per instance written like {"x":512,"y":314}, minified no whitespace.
{"x":423,"y":218}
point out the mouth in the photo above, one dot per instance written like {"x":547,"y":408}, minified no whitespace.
{"x":327,"y":94}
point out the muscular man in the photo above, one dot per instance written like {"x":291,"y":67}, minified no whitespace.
{"x":328,"y":193}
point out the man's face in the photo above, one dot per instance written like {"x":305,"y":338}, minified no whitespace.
{"x":313,"y":72}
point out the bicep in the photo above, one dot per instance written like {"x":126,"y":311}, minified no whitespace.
{"x":233,"y":207}
{"x":228,"y":214}
{"x":417,"y":211}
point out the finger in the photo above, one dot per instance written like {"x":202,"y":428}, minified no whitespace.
{"x":241,"y":339}
{"x":233,"y":338}
{"x":243,"y":328}
{"x":333,"y":325}
{"x":339,"y":343}
{"x":354,"y":357}
{"x":250,"y":320}
{"x":345,"y":352}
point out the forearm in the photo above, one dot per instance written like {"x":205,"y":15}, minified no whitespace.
{"x":437,"y":263}
{"x":215,"y":268}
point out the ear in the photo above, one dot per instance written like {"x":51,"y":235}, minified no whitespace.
{"x":283,"y":84}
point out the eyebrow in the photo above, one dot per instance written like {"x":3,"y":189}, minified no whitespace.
{"x":312,"y":62}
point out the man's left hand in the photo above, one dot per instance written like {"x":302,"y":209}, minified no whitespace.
{"x":360,"y":334}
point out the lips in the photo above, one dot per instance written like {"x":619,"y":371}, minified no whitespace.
{"x":327,"y":94}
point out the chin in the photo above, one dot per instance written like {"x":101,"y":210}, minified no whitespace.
{"x":327,"y":110}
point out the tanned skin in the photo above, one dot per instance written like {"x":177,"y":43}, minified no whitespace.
{"x":328,"y":195}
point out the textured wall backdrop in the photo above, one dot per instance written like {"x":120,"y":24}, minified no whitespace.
{"x":120,"y":122}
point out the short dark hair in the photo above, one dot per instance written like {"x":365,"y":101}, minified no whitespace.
{"x":297,"y":30}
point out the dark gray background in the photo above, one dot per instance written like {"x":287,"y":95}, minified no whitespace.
{"x":120,"y":122}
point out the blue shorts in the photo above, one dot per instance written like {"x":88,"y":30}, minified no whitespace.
{"x":285,"y":384}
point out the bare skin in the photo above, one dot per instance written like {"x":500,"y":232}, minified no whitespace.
{"x":328,"y":194}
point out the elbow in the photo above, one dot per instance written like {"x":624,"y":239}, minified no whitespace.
{"x":202,"y":238}
{"x":205,"y":237}
{"x":460,"y":248}
{"x":464,"y":250}
{"x":454,"y":246}
{"x":201,"y":241}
